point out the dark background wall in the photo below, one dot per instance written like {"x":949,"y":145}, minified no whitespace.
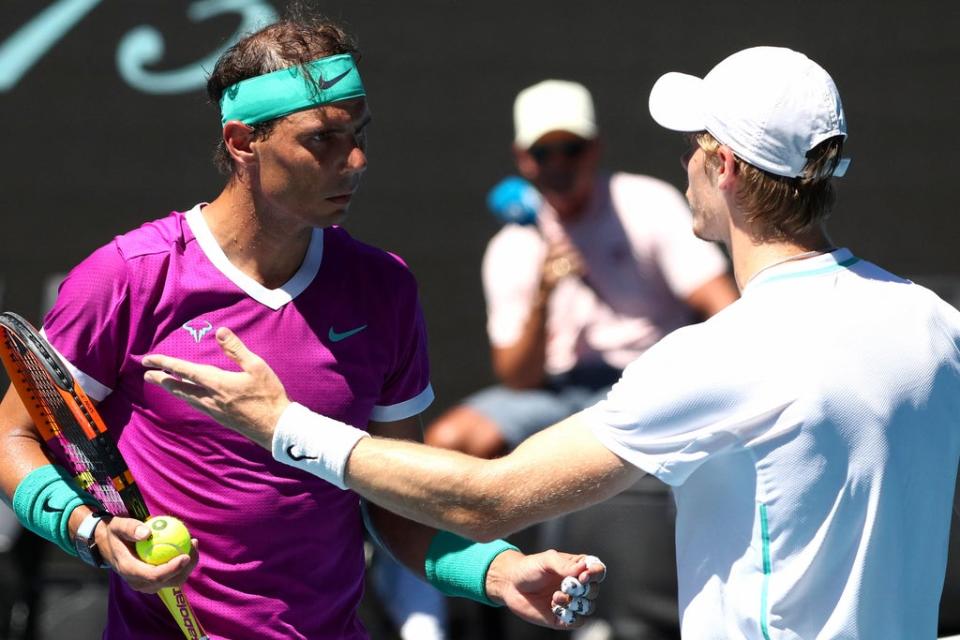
{"x":85,"y":155}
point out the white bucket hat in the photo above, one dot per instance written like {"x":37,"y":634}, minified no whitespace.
{"x":771,"y":105}
{"x":553,"y":105}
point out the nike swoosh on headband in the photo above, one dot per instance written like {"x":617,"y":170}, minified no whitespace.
{"x":326,"y":84}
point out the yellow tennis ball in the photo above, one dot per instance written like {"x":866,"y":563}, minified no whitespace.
{"x":168,"y":539}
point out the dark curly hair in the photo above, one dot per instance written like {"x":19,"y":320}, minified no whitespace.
{"x":297,"y":39}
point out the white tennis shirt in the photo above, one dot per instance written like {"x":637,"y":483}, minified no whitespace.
{"x":812,"y":433}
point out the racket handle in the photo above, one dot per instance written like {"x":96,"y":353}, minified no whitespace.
{"x":176,"y":601}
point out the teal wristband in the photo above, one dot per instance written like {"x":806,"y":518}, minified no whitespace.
{"x":458,"y":567}
{"x":44,"y":500}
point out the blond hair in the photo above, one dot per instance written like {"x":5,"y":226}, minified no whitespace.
{"x":780,"y":207}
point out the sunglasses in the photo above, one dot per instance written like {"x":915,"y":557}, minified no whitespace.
{"x":570,"y":150}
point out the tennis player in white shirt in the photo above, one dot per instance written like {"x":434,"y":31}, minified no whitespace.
{"x":811,"y":430}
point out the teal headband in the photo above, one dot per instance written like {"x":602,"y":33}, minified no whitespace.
{"x":285,"y":91}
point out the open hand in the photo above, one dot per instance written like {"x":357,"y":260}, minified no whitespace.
{"x":249,"y":401}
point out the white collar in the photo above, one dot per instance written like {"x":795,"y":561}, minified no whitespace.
{"x":273,"y":298}
{"x":798,"y":268}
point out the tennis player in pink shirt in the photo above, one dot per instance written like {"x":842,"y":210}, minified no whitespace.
{"x":280,"y":553}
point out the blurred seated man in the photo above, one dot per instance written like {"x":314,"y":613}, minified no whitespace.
{"x":608,"y":268}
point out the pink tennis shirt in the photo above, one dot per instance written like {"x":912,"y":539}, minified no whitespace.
{"x":643,"y":260}
{"x":281,"y":550}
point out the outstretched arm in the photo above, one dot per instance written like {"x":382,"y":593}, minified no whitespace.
{"x":561,"y":469}
{"x":251,"y":402}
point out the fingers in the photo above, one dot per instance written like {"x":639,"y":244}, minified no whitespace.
{"x":572,"y":586}
{"x":121,"y":534}
{"x":181,"y":575}
{"x":581,"y":606}
{"x":128,"y":529}
{"x":582,"y":568}
{"x":179,"y":388}
{"x":235,"y":349}
{"x":596,"y":570}
{"x":578,"y":592}
{"x":590,"y":591}
{"x":201,"y":374}
{"x":559,"y":265}
{"x":565,"y":251}
{"x":564,"y":616}
{"x":148,"y":578}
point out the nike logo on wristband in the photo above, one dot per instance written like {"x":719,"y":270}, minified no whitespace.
{"x":298,"y":458}
{"x":326,"y":84}
{"x":47,"y":508}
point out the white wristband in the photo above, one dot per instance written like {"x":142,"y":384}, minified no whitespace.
{"x":314,"y":443}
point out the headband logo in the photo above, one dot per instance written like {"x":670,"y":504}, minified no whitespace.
{"x":326,"y":84}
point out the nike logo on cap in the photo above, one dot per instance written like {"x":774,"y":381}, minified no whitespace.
{"x":298,"y":458}
{"x":335,"y":336}
{"x":326,"y":84}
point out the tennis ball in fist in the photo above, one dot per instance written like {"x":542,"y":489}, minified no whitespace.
{"x":168,"y":539}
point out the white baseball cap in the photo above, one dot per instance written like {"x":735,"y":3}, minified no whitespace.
{"x":771,"y":105}
{"x":553,"y":105}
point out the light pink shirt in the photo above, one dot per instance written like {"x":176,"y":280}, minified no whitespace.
{"x":643,"y":262}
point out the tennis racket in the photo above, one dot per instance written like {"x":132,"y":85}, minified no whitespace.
{"x":77,"y":437}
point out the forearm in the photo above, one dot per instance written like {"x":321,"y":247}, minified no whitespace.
{"x":559,"y":469}
{"x":452,"y":564}
{"x":521,"y":365}
{"x":404,"y":539}
{"x":437,"y":487}
{"x":21,"y":450}
{"x":556,"y":471}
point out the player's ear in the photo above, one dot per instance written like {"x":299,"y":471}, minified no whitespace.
{"x":726,"y":167}
{"x":238,"y":139}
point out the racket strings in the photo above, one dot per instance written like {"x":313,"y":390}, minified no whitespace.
{"x":92,"y":466}
{"x":101,"y":459}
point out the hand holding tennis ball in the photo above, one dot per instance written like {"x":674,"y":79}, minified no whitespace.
{"x":168,"y":539}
